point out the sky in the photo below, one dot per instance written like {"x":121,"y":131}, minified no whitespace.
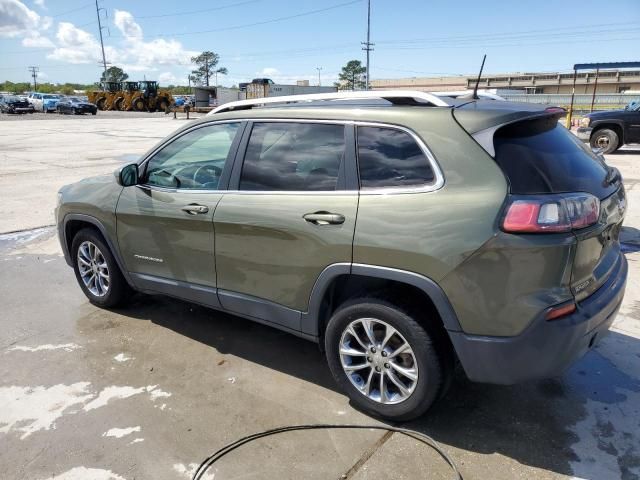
{"x":288,"y":41}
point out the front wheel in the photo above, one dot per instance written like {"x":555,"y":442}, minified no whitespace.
{"x":606,"y":140}
{"x":384,"y":360}
{"x":96,"y":270}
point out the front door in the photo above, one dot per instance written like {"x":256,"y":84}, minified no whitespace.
{"x":292,"y":215}
{"x":633,"y":122}
{"x":165,"y":224}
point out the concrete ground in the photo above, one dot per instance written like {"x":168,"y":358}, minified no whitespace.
{"x":147,"y":392}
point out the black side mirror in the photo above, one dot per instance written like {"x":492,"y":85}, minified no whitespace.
{"x":128,"y":175}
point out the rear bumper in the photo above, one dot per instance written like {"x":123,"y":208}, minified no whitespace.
{"x":584,"y":133}
{"x":546,"y":348}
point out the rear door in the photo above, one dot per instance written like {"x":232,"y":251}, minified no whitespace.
{"x":541,"y":157}
{"x":291,"y":215}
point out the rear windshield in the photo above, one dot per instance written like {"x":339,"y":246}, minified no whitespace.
{"x":541,"y":156}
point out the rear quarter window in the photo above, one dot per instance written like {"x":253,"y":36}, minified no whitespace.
{"x":540,"y":156}
{"x":388,"y":157}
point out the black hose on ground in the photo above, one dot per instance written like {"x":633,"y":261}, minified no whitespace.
{"x":421,"y":437}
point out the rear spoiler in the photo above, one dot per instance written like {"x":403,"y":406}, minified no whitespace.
{"x":482,"y":123}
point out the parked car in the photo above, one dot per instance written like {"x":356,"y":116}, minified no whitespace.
{"x":609,"y":130}
{"x":13,"y":104}
{"x":43,"y":102}
{"x":50,"y":102}
{"x":486,"y":234}
{"x":76,"y":106}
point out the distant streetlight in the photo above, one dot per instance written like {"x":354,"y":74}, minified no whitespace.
{"x":319,"y":81}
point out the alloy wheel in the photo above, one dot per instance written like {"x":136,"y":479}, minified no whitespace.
{"x":602,"y":141}
{"x":378,"y":361}
{"x":93,"y":269}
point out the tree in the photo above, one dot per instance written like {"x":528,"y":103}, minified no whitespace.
{"x":114,"y":74}
{"x":207,"y":63}
{"x":353,"y":76}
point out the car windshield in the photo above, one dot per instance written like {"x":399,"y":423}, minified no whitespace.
{"x":50,"y":97}
{"x":74,"y":99}
{"x":10,"y":98}
{"x":634,"y":105}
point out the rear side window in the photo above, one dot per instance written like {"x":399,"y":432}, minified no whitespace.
{"x":540,"y":156}
{"x":388,"y":157}
{"x":283,"y":156}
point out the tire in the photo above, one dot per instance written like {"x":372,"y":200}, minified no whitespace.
{"x":73,"y":111}
{"x":606,"y":139}
{"x":93,"y":112}
{"x":434,"y":364}
{"x":163,"y":104}
{"x":117,"y":290}
{"x":138,"y":104}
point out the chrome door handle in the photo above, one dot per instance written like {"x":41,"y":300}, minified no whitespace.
{"x":324,"y":218}
{"x":195,"y":209}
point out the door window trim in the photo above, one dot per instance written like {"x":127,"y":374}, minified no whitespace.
{"x":230,"y":178}
{"x":351,"y":170}
{"x":228,"y":166}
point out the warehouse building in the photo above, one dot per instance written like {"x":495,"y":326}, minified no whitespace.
{"x":618,"y":81}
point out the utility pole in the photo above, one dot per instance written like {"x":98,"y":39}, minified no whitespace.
{"x":368,"y":46}
{"x":319,"y":81}
{"x":100,"y":27}
{"x":34,"y":74}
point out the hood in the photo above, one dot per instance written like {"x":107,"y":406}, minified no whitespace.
{"x":606,"y":113}
{"x":17,"y":102}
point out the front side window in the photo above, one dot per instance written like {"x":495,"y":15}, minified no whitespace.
{"x":293,"y":157}
{"x":193,"y":161}
{"x":388,"y":157}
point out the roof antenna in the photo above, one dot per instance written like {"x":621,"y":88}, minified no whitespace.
{"x":475,"y":89}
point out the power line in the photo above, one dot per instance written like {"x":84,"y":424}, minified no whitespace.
{"x":193,"y":12}
{"x":255,"y":24}
{"x":86,"y":5}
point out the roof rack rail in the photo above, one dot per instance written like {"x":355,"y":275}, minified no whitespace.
{"x":397,"y":97}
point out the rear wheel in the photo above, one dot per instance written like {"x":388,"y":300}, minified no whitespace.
{"x":384,"y":360}
{"x":101,"y":103}
{"x":605,"y":139}
{"x":96,"y":270}
{"x":119,"y":104}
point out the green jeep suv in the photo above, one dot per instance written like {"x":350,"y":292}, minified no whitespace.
{"x":402,"y":232}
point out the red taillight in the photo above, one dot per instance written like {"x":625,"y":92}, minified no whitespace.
{"x":550,"y":213}
{"x":560,"y":311}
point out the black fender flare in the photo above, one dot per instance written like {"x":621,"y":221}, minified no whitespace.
{"x":598,"y":124}
{"x":310,"y":322}
{"x":62,"y":235}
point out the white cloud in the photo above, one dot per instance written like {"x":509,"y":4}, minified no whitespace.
{"x":17,"y":19}
{"x":167,"y":78}
{"x":270,"y":71}
{"x":141,"y":55}
{"x":75,"y":45}
{"x":127,"y":25}
{"x":37,"y":41}
{"x":40,"y":3}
